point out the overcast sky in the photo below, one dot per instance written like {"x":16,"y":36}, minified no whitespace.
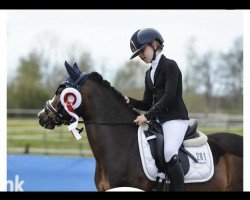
{"x":106,"y":33}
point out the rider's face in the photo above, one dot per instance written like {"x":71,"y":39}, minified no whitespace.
{"x":146,"y":54}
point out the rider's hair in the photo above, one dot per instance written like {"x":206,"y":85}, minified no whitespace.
{"x":158,"y":44}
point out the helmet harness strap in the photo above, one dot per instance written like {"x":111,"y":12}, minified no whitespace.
{"x":154,"y":55}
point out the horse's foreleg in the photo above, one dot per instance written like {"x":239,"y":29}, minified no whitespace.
{"x":101,"y":182}
{"x":98,"y":178}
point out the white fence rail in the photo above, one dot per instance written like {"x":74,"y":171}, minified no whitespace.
{"x":218,"y":119}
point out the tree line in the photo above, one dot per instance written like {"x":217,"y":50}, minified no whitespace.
{"x":213,"y":81}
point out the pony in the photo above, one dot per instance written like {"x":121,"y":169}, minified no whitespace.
{"x":112,"y":136}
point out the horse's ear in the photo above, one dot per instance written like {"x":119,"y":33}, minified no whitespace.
{"x":76,"y":68}
{"x":74,"y":75}
{"x":66,"y":64}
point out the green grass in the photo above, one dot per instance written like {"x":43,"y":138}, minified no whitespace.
{"x":28,"y":133}
{"x":209,"y":130}
{"x":23,"y":134}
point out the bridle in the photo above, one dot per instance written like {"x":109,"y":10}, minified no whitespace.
{"x":78,"y":84}
{"x":58,"y":118}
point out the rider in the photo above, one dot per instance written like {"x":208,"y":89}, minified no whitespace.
{"x":162,"y":99}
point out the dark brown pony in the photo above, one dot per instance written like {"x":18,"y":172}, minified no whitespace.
{"x":113,"y":138}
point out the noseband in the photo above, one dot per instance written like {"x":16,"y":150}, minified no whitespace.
{"x":57,"y":116}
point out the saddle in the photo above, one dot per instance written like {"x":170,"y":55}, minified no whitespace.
{"x":154,"y":135}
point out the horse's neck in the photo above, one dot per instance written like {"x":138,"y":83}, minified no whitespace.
{"x":108,"y":142}
{"x":102,"y":104}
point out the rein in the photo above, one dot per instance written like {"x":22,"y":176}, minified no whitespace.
{"x":106,"y":123}
{"x":103,"y":123}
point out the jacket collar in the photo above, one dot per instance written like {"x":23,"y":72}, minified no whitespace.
{"x":156,"y":60}
{"x":158,"y":69}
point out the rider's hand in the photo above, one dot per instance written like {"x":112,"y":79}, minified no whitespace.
{"x":140,"y":120}
{"x":126,"y":99}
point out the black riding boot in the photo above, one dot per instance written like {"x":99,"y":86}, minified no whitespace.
{"x":175,"y":174}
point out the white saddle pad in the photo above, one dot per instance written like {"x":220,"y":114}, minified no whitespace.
{"x":198,"y":172}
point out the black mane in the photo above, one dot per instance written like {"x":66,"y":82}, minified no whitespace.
{"x":98,"y":78}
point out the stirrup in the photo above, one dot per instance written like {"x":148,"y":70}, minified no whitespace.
{"x":160,"y":182}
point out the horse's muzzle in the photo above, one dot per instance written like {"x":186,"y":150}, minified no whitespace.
{"x":45,"y":121}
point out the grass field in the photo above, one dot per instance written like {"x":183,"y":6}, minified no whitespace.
{"x":27,"y":136}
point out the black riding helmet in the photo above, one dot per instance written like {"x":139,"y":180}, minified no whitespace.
{"x":143,"y":37}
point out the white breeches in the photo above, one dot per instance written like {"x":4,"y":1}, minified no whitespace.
{"x":174,"y":132}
